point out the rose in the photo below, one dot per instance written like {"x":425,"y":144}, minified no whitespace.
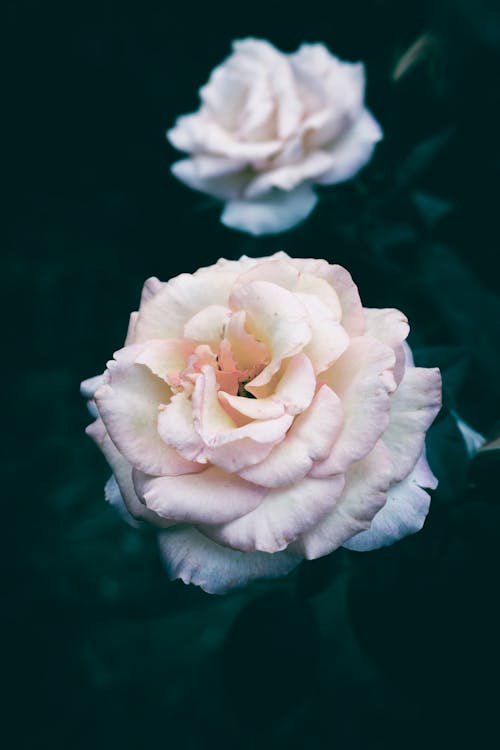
{"x":270,"y":125}
{"x":258,"y":414}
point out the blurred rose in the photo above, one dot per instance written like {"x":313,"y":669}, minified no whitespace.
{"x":258,"y":414}
{"x":270,"y":126}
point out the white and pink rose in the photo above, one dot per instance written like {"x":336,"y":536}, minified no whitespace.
{"x":272,"y":125}
{"x":258,"y":415}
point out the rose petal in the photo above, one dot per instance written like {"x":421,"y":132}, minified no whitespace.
{"x":281,"y":516}
{"x":130,"y":337}
{"x":287,"y":104}
{"x":404,"y":512}
{"x":230,"y":447}
{"x":114,"y":497}
{"x":332,"y":89}
{"x":91,"y":385}
{"x":214,"y":496}
{"x":277,"y":318}
{"x":353,"y":317}
{"x":122,"y":472}
{"x":208,"y":325}
{"x":366,"y":486}
{"x":282,"y":270}
{"x":363,"y":380}
{"x":151,"y":288}
{"x":413,"y":408}
{"x":289,"y":176}
{"x":275,"y":212}
{"x":309,"y":439}
{"x":175,"y":427}
{"x":199,"y":134}
{"x":190,"y":556}
{"x":128,"y":406}
{"x":293,"y":394}
{"x":223,"y":178}
{"x":165,"y":357}
{"x":166,"y":314}
{"x":352,"y":150}
{"x":329,"y":339}
{"x":391,"y":327}
{"x":246,"y":350}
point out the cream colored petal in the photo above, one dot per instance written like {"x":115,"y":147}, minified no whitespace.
{"x":166,"y":314}
{"x":272,"y":213}
{"x":391,"y":327}
{"x":366,"y":486}
{"x":294,"y":392}
{"x":309,"y":439}
{"x":282,"y":516}
{"x":414,"y":406}
{"x":362,"y":378}
{"x":128,"y":406}
{"x":208,"y":325}
{"x":192,"y":557}
{"x":122,"y":471}
{"x":213,"y":496}
{"x":404,"y":512}
{"x":275,"y":317}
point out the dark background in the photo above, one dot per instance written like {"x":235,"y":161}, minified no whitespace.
{"x":394,"y":649}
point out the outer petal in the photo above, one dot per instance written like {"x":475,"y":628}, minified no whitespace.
{"x":281,"y":516}
{"x":122,"y":472}
{"x":91,"y":385}
{"x":289,"y":176}
{"x":365,"y":492}
{"x":211,"y":497}
{"x":275,"y":212}
{"x":363,"y":380}
{"x":332,"y":89}
{"x":128,"y":407}
{"x":216,"y":175}
{"x":391,"y":327}
{"x":165,"y":315}
{"x":413,"y":408}
{"x":403,"y":514}
{"x":114,"y":497}
{"x":88,"y":388}
{"x":352,"y":150}
{"x":310,"y":439}
{"x":193,"y":558}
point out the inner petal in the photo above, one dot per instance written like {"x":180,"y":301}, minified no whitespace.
{"x":276,"y":317}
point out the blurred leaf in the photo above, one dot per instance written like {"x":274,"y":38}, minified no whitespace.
{"x":430,"y":208}
{"x":471,"y":312}
{"x":423,"y":49}
{"x":448,"y":458}
{"x":383,"y":238}
{"x":422,"y":156}
{"x":485,"y":470}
